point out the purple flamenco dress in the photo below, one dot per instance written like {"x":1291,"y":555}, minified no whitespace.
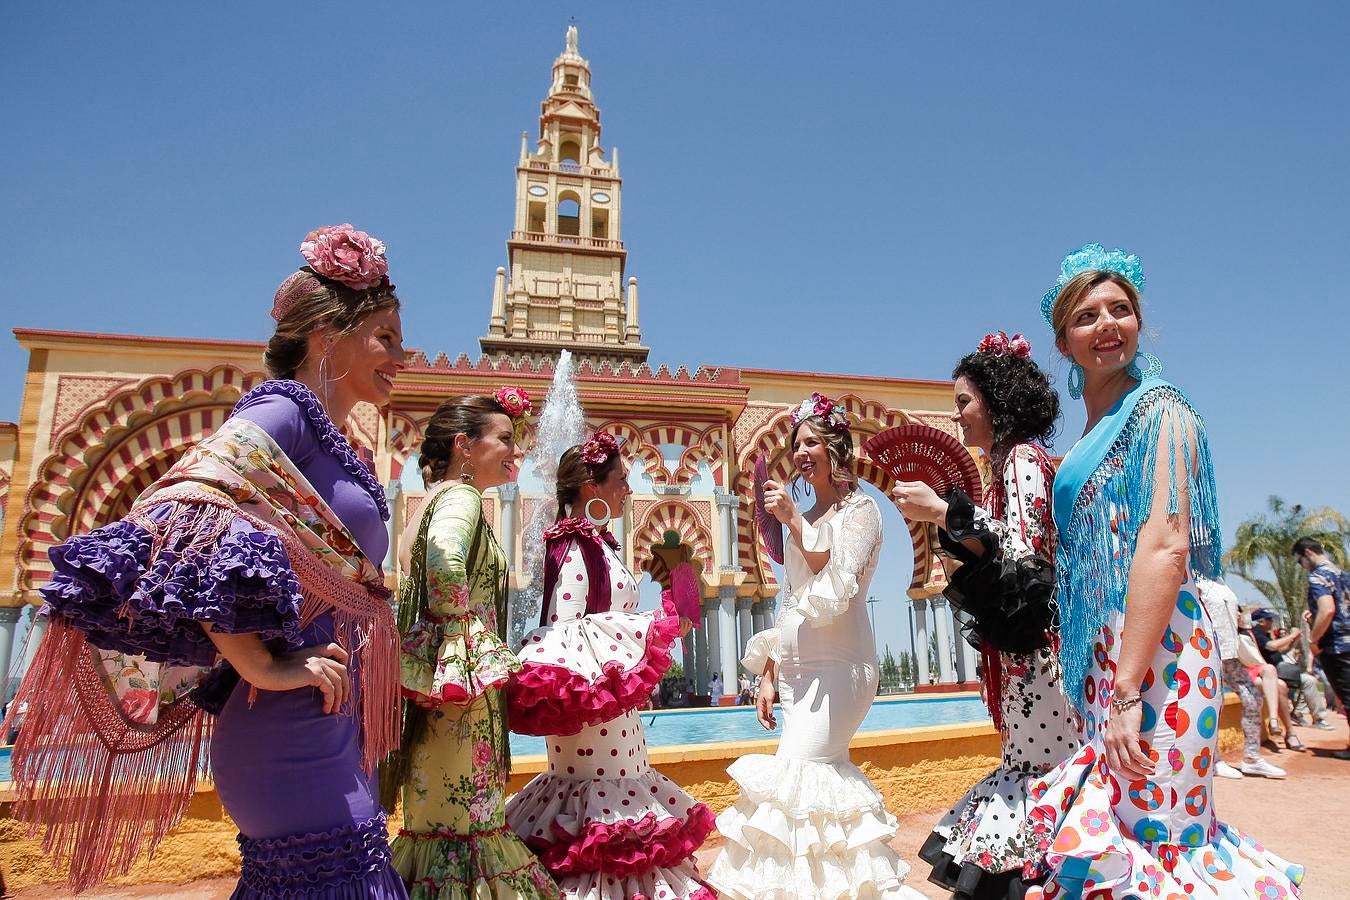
{"x":293,"y":778}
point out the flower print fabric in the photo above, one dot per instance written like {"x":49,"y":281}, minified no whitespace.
{"x":983,"y":842}
{"x":454,"y":842}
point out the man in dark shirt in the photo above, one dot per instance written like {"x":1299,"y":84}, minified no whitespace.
{"x":1329,"y":606}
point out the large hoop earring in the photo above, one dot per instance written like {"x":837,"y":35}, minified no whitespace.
{"x":1154,"y":369}
{"x":1075,"y":384}
{"x":464,"y":476}
{"x":600,"y":522}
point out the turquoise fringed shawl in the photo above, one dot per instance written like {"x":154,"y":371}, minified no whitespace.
{"x":1103,"y":495}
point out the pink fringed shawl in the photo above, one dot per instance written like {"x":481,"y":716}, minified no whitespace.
{"x":107,"y":783}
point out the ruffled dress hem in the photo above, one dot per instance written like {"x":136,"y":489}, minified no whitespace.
{"x":583,"y":681}
{"x":491,"y":865}
{"x":1089,"y":850}
{"x":351,"y":862}
{"x":624,"y":826}
{"x":806,"y":829}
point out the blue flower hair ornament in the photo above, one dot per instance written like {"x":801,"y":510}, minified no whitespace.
{"x":1093,"y":258}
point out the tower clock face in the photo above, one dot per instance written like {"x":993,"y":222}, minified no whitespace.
{"x":538,"y":190}
{"x":600,"y":197}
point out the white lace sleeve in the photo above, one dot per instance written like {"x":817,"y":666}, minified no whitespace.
{"x":853,"y":547}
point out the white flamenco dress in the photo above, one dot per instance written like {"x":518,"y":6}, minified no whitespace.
{"x":808,"y":823}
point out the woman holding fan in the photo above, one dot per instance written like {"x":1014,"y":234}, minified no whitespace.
{"x":808,"y":823}
{"x":1005,"y":407}
{"x":1132,"y":812}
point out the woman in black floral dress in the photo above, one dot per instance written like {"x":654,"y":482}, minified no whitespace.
{"x":1005,"y":405}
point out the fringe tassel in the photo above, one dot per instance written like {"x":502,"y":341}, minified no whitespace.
{"x":991,"y":669}
{"x":1096,"y":548}
{"x":101,"y":790}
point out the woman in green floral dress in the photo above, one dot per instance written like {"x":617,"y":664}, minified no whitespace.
{"x":452,"y":614}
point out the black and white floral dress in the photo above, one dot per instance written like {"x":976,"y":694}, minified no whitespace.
{"x":979,"y":847}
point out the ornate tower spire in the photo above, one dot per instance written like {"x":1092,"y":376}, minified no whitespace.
{"x":565,"y":287}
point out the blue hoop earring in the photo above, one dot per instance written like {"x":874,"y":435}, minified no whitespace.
{"x":1075,"y":384}
{"x":1154,"y":369}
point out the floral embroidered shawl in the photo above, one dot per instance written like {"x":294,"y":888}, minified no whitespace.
{"x":117,"y":731}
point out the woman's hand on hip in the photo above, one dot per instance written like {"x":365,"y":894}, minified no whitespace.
{"x":323,"y":667}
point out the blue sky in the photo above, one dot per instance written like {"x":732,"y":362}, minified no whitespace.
{"x":861,"y":188}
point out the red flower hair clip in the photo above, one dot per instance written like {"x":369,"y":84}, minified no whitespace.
{"x":599,"y":448}
{"x":997,"y":343}
{"x":516,"y":402}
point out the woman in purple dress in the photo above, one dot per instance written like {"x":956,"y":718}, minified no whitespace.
{"x":258,"y":555}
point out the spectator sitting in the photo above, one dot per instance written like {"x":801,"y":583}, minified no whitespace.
{"x":1281,"y":653}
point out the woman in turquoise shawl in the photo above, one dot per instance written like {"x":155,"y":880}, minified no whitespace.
{"x":1132,"y":813}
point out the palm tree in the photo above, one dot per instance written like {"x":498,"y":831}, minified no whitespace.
{"x":1268,"y":538}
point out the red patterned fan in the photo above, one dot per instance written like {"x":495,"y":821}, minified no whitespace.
{"x":684,"y":592}
{"x":770,"y":529}
{"x":923,"y":453}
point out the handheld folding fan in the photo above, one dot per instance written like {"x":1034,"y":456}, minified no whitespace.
{"x":684,"y":592}
{"x":770,"y":529}
{"x":923,"y":453}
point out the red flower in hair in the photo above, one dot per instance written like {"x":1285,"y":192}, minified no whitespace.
{"x":601,"y":446}
{"x":994,"y":343}
{"x":516,"y":401}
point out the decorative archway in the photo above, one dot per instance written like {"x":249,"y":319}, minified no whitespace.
{"x":868,"y":418}
{"x":675,"y":518}
{"x":115,"y":451}
{"x":636,"y":446}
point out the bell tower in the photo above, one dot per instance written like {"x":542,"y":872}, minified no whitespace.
{"x":565,"y":288}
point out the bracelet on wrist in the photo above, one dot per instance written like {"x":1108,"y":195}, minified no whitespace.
{"x":1121,"y":704}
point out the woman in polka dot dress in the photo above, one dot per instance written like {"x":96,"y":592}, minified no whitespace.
{"x":1004,"y":404}
{"x":1132,"y":813}
{"x":605,"y":824}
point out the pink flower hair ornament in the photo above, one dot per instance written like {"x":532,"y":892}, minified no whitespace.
{"x":337,"y":253}
{"x":833,"y":412}
{"x":516,"y":402}
{"x":997,"y":343}
{"x":599,"y":448}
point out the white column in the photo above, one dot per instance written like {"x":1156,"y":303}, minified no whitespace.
{"x":36,"y":633}
{"x":921,"y":640}
{"x":942,"y":628}
{"x":726,"y":627}
{"x":701,"y":653}
{"x":757,"y":617}
{"x":726,"y":514}
{"x":971,"y":659}
{"x":9,"y":620}
{"x":745,"y":629}
{"x":392,"y":490}
{"x":712,"y":616}
{"x":510,"y":497}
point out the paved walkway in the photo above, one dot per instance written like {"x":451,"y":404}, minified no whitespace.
{"x":1295,"y":817}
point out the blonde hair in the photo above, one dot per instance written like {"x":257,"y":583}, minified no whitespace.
{"x":1077,"y":287}
{"x":839,"y":446}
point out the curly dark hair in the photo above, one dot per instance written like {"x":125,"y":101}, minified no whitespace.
{"x":1017,"y":394}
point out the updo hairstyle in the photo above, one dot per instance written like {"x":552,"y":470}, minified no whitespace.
{"x":1022,"y":406}
{"x":839,"y":445}
{"x":1077,"y":287}
{"x":573,"y":472}
{"x":466,"y":415}
{"x":319,"y":303}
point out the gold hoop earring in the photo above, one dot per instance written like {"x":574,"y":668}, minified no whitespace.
{"x":464,"y":476}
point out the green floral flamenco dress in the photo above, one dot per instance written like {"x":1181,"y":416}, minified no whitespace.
{"x":455,"y":759}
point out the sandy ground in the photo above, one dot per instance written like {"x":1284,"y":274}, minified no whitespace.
{"x":1293,"y":817}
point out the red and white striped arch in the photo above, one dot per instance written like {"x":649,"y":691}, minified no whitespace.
{"x":636,"y":446}
{"x":115,"y":451}
{"x":677,"y":515}
{"x":867,"y":417}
